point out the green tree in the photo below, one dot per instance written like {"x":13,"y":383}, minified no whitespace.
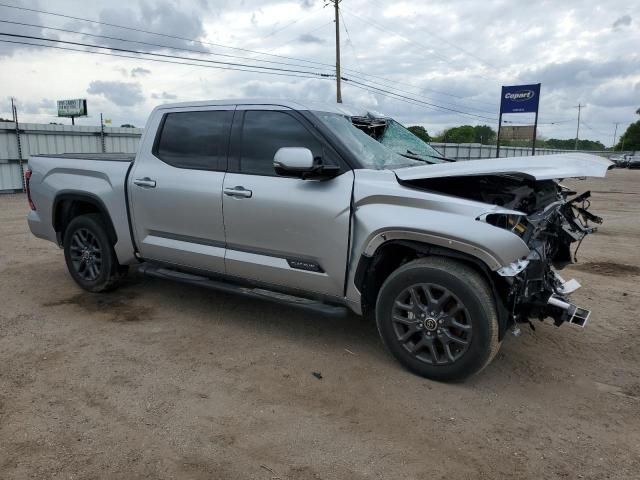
{"x":630,"y":139}
{"x":570,"y":144}
{"x":127,"y":125}
{"x":462,"y":134}
{"x":484,"y":134}
{"x":420,"y":132}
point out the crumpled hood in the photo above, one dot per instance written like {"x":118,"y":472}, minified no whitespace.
{"x":542,"y":167}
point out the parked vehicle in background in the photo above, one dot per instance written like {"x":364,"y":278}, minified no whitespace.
{"x":619,"y":161}
{"x":291,"y":202}
{"x":633,"y":160}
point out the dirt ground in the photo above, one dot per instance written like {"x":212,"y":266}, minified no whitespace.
{"x":161,"y":380}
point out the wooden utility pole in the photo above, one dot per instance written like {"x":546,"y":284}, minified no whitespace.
{"x":578,"y":129}
{"x":337,"y":20}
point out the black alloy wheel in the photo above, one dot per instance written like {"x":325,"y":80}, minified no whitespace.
{"x":432,"y":323}
{"x":89,"y":253}
{"x":86,"y":254}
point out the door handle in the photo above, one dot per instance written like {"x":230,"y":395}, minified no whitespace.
{"x":145,"y":182}
{"x":238,"y":191}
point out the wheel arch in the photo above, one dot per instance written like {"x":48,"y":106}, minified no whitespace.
{"x":68,"y":205}
{"x":372,"y":271}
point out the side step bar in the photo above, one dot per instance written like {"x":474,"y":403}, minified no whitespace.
{"x":259,"y":293}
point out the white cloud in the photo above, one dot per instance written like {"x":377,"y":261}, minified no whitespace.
{"x":454,"y":53}
{"x":120,"y":93}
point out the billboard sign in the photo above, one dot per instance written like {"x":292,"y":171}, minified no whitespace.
{"x":72,"y":108}
{"x":520,"y":132}
{"x":520,"y":98}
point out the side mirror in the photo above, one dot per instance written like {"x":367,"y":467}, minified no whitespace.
{"x":299,"y":162}
{"x":293,"y":161}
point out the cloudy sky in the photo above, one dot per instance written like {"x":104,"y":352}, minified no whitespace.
{"x":454,"y":54}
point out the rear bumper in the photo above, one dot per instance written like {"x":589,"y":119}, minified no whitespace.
{"x":39,"y":228}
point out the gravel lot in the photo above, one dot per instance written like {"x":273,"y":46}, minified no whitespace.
{"x":161,"y":380}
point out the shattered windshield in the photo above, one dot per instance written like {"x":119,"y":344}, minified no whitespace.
{"x":370,"y":152}
{"x":402,"y":141}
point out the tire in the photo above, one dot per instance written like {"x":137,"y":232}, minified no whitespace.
{"x":89,"y":254}
{"x":438,"y":317}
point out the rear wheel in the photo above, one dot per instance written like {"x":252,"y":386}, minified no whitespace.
{"x":89,"y":254}
{"x":438,"y":317}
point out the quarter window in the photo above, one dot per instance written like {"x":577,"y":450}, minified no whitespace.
{"x":196,"y":140}
{"x":264,"y":132}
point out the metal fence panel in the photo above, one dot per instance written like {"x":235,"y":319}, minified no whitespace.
{"x":39,"y":139}
{"x":10,"y":177}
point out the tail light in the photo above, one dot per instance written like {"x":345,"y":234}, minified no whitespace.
{"x":27,"y":179}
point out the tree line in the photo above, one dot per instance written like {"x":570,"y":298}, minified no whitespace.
{"x":486,"y":135}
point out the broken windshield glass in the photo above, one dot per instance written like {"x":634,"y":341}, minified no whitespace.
{"x":402,"y":141}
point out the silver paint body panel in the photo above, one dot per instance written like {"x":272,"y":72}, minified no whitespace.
{"x":187,"y":220}
{"x":542,"y":167}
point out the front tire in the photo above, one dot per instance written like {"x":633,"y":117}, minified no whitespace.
{"x":438,"y":317}
{"x":89,"y":254}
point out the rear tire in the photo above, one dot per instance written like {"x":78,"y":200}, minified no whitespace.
{"x":89,"y":254}
{"x":438,"y":317}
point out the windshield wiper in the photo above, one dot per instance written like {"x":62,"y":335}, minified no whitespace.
{"x":424,"y":158}
{"x":414,"y":156}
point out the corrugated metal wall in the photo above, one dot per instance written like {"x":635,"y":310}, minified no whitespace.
{"x":50,"y":139}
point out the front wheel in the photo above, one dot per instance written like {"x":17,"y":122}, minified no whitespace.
{"x":89,"y":254}
{"x":438,"y":317}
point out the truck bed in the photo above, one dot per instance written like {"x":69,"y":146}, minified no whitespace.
{"x":112,"y":157}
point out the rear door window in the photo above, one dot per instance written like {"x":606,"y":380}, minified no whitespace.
{"x":195,"y":140}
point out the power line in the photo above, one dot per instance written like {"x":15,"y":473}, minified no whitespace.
{"x":181,"y":49}
{"x":229,"y":66}
{"x":196,"y":41}
{"x":328,"y":77}
{"x":297,"y":37}
{"x":149,"y":32}
{"x":448,"y":42}
{"x":233,"y":64}
{"x":353,"y":48}
{"x":399,"y":35}
{"x":204,"y":52}
{"x":137,"y":58}
{"x":432,"y":105}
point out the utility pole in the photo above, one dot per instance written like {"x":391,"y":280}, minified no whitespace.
{"x":615,"y":133}
{"x":102,"y":134}
{"x":579,"y":107}
{"x":14,"y":113}
{"x":337,"y":20}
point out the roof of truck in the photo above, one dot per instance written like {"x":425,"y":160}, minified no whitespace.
{"x":340,"y":108}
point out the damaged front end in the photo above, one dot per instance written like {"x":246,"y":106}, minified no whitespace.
{"x":551,"y":219}
{"x":536,"y":290}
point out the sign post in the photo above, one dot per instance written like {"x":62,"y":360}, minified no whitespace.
{"x":72,"y":108}
{"x":519,"y":99}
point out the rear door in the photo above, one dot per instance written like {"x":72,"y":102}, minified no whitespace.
{"x":175,"y":188}
{"x":284,"y":231}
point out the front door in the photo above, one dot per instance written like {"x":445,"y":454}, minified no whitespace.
{"x":175,"y":189}
{"x":284,"y":231}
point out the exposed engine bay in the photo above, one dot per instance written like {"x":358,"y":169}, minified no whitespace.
{"x":550,"y":219}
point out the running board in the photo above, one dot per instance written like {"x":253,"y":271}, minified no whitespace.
{"x":259,"y":293}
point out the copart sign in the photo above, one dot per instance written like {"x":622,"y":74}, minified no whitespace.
{"x":520,"y":98}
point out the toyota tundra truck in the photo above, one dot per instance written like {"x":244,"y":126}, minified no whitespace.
{"x":327,"y":208}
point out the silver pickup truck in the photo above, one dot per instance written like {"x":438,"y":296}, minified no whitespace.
{"x":327,"y":208}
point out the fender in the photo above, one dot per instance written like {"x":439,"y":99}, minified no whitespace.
{"x":497,"y":287}
{"x":428,"y":238}
{"x":58,"y":214}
